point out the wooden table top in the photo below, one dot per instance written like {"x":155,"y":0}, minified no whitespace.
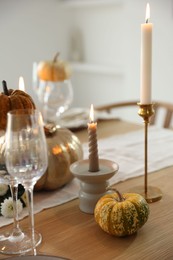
{"x":70,"y":233}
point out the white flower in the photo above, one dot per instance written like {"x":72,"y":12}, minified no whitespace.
{"x":7,"y":207}
{"x":3,"y":189}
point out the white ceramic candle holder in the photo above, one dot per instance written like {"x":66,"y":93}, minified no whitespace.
{"x":93,"y":185}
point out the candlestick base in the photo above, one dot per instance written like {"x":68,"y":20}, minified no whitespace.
{"x":93,"y":185}
{"x":153,"y":194}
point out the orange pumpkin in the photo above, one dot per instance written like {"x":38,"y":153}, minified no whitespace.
{"x":55,"y":70}
{"x":13,"y":99}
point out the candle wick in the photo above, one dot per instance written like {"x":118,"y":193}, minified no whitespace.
{"x":147,"y":20}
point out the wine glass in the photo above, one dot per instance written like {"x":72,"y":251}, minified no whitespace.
{"x":26,"y":154}
{"x":15,"y":241}
{"x":54,"y":97}
{"x":10,"y":240}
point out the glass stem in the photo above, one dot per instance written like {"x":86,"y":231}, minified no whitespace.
{"x":29,"y":191}
{"x":14,"y":193}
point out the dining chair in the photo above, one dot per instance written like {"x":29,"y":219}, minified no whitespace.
{"x":163,"y":111}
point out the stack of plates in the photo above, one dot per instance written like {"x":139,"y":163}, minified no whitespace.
{"x":76,"y":118}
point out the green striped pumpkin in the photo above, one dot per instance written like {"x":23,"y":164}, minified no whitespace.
{"x":121,"y":215}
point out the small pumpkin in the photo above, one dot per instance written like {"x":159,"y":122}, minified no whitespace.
{"x":13,"y":99}
{"x":64,"y":148}
{"x":121,"y":214}
{"x":55,"y":70}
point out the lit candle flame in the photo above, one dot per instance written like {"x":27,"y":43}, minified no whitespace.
{"x":92,"y":113}
{"x":21,"y":84}
{"x":147,"y":17}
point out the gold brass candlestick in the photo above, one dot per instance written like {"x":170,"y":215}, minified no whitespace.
{"x":150,"y":193}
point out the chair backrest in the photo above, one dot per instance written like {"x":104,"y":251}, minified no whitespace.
{"x":167,"y":110}
{"x":167,"y":116}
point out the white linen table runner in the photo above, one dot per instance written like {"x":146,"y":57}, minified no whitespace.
{"x":127,"y":151}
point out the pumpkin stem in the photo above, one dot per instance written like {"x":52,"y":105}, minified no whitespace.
{"x":120,"y":196}
{"x":50,"y":129}
{"x":56,"y":57}
{"x":5,"y":89}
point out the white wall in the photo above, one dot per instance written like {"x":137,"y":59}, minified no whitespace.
{"x":32,"y":30}
{"x":103,"y":43}
{"x":112,"y":37}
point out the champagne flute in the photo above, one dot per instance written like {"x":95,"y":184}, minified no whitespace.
{"x":26,"y":153}
{"x":15,"y":241}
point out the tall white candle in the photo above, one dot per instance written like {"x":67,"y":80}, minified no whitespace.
{"x":146,"y":59}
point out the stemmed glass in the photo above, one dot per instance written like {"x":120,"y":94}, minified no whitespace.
{"x":54,"y":97}
{"x":26,"y":154}
{"x":15,"y":241}
{"x":10,"y":240}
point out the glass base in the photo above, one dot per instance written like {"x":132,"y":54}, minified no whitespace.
{"x":153,"y":194}
{"x":17,"y":245}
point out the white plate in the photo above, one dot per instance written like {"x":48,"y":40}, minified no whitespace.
{"x":79,"y":117}
{"x":75,"y":118}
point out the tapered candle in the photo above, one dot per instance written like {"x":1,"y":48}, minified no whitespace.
{"x":146,"y":59}
{"x":93,"y":151}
